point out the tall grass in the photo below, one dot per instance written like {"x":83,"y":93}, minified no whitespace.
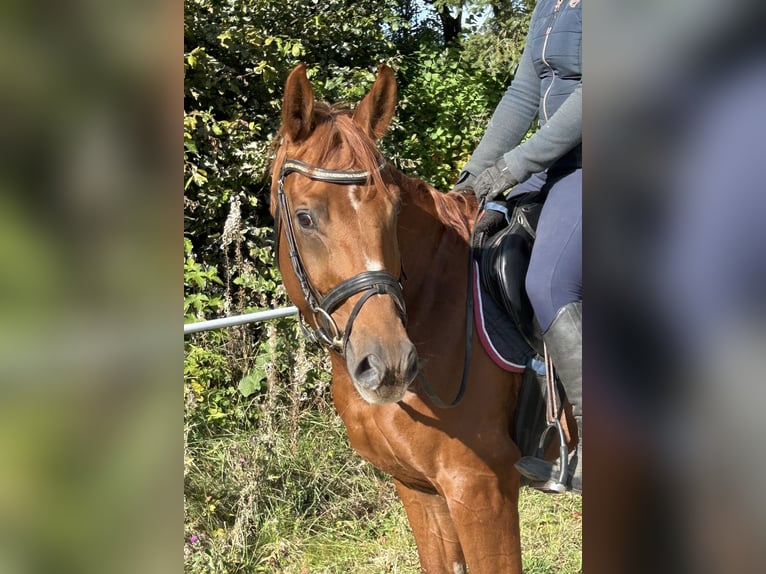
{"x":291,"y":496}
{"x":271,"y":502}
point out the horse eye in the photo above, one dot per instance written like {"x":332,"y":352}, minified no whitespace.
{"x":304,"y":220}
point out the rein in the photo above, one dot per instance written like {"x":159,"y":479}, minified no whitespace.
{"x":369,"y":283}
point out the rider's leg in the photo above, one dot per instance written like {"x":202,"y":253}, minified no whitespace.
{"x":554,"y":287}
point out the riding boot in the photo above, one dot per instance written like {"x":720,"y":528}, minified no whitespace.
{"x":564,"y":342}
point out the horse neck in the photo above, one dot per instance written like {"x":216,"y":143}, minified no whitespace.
{"x":434,"y":254}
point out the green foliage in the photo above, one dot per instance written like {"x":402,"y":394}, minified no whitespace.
{"x":254,"y":381}
{"x":495,"y":49}
{"x":444,"y":109}
{"x":197,"y":279}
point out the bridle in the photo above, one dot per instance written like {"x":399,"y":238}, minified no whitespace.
{"x":369,"y":283}
{"x":326,"y":331}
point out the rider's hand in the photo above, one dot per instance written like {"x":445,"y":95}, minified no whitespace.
{"x":493,"y":181}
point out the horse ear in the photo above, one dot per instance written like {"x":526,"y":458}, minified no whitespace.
{"x":375,"y":111}
{"x":298,"y":105}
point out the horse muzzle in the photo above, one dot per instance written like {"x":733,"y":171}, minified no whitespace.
{"x":381,"y":372}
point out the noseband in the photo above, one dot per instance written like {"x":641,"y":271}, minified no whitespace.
{"x":369,"y":283}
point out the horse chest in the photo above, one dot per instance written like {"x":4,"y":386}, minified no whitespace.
{"x":385,"y":435}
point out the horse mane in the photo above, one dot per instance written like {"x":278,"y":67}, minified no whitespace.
{"x":456,"y":210}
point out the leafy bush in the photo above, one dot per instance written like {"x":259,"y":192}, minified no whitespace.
{"x":444,"y":107}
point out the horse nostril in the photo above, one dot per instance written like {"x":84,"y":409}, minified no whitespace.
{"x":369,"y":371}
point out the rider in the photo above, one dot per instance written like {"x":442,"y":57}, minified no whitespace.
{"x":546,"y":85}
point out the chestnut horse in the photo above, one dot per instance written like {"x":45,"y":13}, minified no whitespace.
{"x":377,"y":264}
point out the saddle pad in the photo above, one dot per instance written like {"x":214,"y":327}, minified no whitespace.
{"x":497,"y":332}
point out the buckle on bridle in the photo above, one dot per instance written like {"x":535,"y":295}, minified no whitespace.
{"x":327,"y":331}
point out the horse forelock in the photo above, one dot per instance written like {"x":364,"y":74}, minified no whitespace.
{"x":337,"y":143}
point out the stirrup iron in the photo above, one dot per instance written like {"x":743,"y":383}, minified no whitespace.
{"x":552,"y":484}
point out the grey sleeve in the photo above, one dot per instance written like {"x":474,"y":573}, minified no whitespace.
{"x":560,"y":134}
{"x":511,"y":119}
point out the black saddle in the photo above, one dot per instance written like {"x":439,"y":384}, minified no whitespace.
{"x":503,"y":240}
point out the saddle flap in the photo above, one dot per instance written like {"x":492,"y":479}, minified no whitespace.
{"x":506,"y":248}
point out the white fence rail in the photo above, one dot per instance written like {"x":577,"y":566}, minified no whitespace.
{"x":225,"y":322}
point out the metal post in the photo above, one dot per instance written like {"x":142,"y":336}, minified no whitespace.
{"x":224,"y":322}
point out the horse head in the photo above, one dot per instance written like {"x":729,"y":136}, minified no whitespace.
{"x":336,"y":213}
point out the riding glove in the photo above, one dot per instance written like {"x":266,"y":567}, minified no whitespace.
{"x":493,"y":181}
